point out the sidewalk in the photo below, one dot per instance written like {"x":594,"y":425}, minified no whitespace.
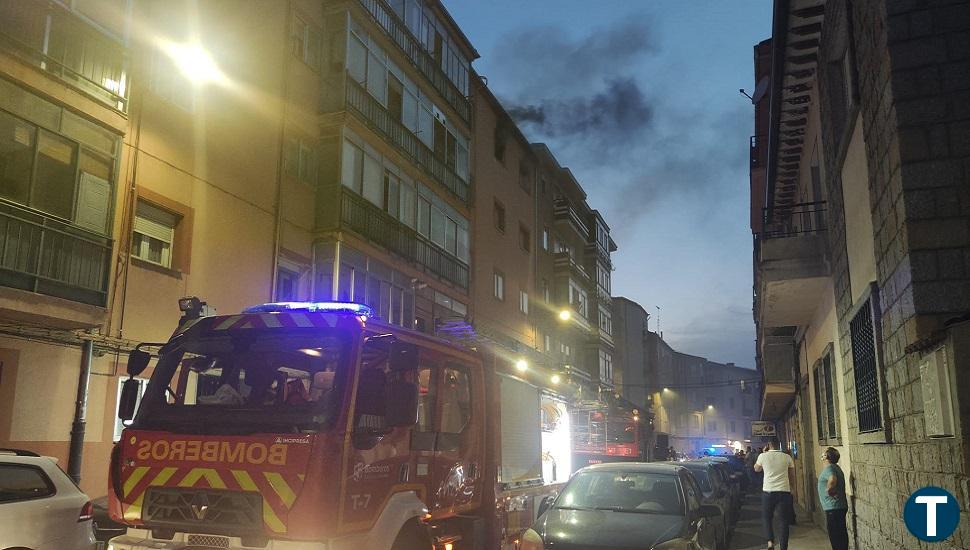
{"x":749,"y":533}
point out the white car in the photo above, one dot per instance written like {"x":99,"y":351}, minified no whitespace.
{"x":40,"y":506}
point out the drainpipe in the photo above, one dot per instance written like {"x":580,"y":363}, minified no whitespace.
{"x":80,"y":413}
{"x":278,"y":200}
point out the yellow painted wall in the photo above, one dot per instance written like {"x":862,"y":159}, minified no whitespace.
{"x":859,"y":240}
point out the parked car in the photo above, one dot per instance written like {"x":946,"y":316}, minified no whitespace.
{"x":105,"y":528}
{"x":715,"y":493}
{"x":627,"y":505}
{"x":730,"y":478}
{"x":40,"y":506}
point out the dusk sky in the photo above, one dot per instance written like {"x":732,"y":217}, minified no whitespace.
{"x":639,"y":98}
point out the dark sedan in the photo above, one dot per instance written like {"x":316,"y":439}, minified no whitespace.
{"x":625,"y":506}
{"x":716,"y":493}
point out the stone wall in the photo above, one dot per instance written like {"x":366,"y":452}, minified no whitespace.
{"x":912,"y":60}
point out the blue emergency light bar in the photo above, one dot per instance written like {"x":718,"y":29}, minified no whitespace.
{"x":313,"y":307}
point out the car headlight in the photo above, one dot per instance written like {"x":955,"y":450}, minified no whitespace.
{"x":530,"y":541}
{"x":675,"y":544}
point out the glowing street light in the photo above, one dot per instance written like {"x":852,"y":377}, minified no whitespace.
{"x":555,"y":379}
{"x":666,"y":390}
{"x":565,"y":315}
{"x":710,"y":407}
{"x":521,"y":365}
{"x":194,"y":62}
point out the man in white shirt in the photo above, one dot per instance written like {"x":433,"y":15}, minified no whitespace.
{"x":779,"y":475}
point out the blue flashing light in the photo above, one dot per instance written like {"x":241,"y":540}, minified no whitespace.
{"x":359,"y":310}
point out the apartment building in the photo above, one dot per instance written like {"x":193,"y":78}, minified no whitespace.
{"x":393,"y":226}
{"x":860,"y":250}
{"x":693,"y":404}
{"x":573,"y":277}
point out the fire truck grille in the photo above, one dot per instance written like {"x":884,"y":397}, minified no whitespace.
{"x":208,"y":541}
{"x":213,"y":511}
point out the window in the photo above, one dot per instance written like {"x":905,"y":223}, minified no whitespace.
{"x":731,"y":403}
{"x":119,"y":426}
{"x":287,"y":285}
{"x":498,"y":215}
{"x":603,"y":277}
{"x":300,"y":160}
{"x":525,"y":238}
{"x":711,"y":425}
{"x":524,"y":302}
{"x":734,"y":428}
{"x":564,"y":349}
{"x":500,"y":138}
{"x":545,"y":238}
{"x":546,"y":297}
{"x":305,"y":41}
{"x":547,"y":342}
{"x":154,"y":233}
{"x":499,"y":289}
{"x":525,"y":177}
{"x":606,"y":321}
{"x":606,"y":367}
{"x":862,"y":328}
{"x":826,"y":397}
{"x":578,"y":299}
{"x":19,"y":482}
{"x":455,"y":401}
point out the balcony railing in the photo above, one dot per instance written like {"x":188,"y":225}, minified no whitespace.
{"x":63,"y":45}
{"x":357,"y":214}
{"x":425,"y":63}
{"x":40,"y":254}
{"x":376,"y":116}
{"x":562,"y":260}
{"x":564,"y":212}
{"x":797,"y":219}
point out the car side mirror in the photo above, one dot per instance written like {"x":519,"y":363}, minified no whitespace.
{"x":138,"y":361}
{"x":129,"y":399}
{"x":402,"y":404}
{"x":708,"y":511}
{"x":544,"y":505}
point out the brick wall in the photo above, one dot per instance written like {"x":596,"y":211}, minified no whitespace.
{"x":913,"y":77}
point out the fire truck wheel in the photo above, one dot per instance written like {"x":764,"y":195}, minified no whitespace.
{"x":413,"y":536}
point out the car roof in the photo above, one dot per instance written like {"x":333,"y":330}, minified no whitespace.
{"x":35,"y":460}
{"x":645,"y":467}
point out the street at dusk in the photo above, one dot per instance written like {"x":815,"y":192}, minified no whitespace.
{"x":484,"y":275}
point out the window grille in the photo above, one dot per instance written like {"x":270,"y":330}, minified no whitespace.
{"x":865,"y":360}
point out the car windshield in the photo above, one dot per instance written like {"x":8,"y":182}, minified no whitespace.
{"x":280,"y":376}
{"x":623,"y":491}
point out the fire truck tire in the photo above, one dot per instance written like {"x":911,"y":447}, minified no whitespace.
{"x":413,"y":536}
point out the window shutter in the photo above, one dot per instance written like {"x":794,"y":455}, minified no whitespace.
{"x":94,"y":198}
{"x":155,"y":222}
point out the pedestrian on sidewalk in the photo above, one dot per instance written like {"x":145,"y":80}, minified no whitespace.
{"x":831,"y":492}
{"x":779,"y":476}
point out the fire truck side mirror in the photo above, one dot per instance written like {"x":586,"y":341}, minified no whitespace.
{"x":404,"y":356}
{"x":129,"y":399}
{"x":138,"y":361}
{"x":402,"y":404}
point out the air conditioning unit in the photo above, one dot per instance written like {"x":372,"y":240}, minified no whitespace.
{"x":937,"y":370}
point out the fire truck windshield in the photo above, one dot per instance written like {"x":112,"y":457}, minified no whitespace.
{"x":622,"y":432}
{"x":263,"y":382}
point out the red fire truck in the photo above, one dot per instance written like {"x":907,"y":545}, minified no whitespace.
{"x":605,"y":434}
{"x":317,"y":426}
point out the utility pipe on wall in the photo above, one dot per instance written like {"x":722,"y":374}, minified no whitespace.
{"x":80,"y":413}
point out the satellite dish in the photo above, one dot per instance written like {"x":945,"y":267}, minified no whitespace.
{"x":760,"y":90}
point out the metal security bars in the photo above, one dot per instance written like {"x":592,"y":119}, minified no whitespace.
{"x":376,"y":116}
{"x":41,"y":254}
{"x":865,"y":362}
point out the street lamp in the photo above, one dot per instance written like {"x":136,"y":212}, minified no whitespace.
{"x":565,"y":315}
{"x":194,"y":62}
{"x":521,"y":365}
{"x":555,"y":379}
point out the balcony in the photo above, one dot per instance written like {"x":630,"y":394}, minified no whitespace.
{"x":758,"y":152}
{"x":40,"y":254}
{"x":375,"y":225}
{"x":380,"y":120}
{"x":792,"y":264}
{"x":565,"y":264}
{"x":564,"y":213}
{"x":778,"y":363}
{"x":60,"y":43}
{"x":398,"y":32}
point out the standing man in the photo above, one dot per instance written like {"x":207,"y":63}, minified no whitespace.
{"x":831,"y":492}
{"x":779,"y":476}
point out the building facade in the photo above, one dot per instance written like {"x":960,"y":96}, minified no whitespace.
{"x":860,"y":257}
{"x":695,"y":405}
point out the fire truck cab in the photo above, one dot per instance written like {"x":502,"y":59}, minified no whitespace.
{"x":317,"y":426}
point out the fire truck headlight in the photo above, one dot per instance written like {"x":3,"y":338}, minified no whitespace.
{"x":530,"y":541}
